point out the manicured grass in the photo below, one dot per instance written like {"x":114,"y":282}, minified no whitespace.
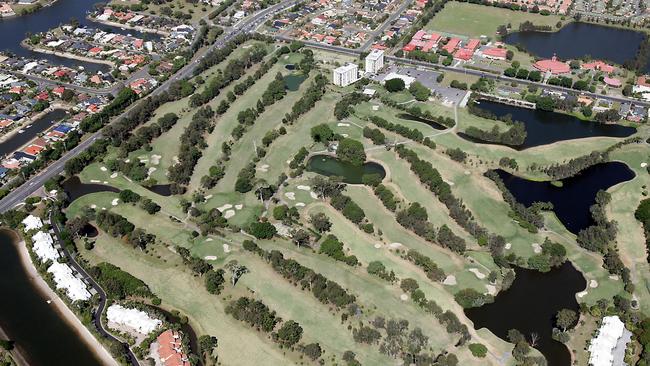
{"x":474,"y":20}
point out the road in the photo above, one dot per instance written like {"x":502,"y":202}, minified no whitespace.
{"x":29,"y":187}
{"x":377,"y":32}
{"x":427,"y":65}
{"x":97,"y":315}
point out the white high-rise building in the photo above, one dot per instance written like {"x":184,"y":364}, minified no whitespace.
{"x":346,"y":75}
{"x":374,"y":61}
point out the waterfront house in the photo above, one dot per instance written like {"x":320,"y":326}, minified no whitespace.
{"x":552,"y":66}
{"x":170,"y":349}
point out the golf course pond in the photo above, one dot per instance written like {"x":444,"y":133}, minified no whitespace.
{"x":530,"y":306}
{"x":571,"y":201}
{"x":428,"y":122}
{"x":331,"y":166}
{"x":543,"y":127}
{"x":293,"y":81}
{"x":577,"y":40}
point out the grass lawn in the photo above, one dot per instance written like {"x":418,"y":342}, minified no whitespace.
{"x":474,"y":20}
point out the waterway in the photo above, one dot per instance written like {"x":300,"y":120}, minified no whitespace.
{"x":576,"y":40}
{"x":572,"y":201}
{"x":544,"y":127}
{"x":30,"y":131}
{"x":15,"y":30}
{"x":530,"y":306}
{"x":75,"y":189}
{"x":38,"y":330}
{"x":428,"y":122}
{"x":352,"y":174}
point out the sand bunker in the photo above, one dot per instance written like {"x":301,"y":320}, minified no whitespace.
{"x":210,"y":257}
{"x":239,"y":206}
{"x":208,"y":239}
{"x":404,"y":297}
{"x":377,"y":245}
{"x":300,"y":204}
{"x":467,"y":172}
{"x":508,"y":246}
{"x":291,"y":195}
{"x":229,"y":214}
{"x":94,"y":181}
{"x":155,"y":159}
{"x":264,"y":168}
{"x":593,"y":283}
{"x":103,"y":168}
{"x":613,"y":277}
{"x":114,"y":202}
{"x":375,"y":107}
{"x":450,"y":280}
{"x":491,"y":290}
{"x":395,"y":245}
{"x":208,"y":197}
{"x":226,"y":248}
{"x":536,"y":248}
{"x":93,"y":206}
{"x":114,"y":175}
{"x":477,"y":273}
{"x":151,"y":170}
{"x":581,"y":294}
{"x":340,"y":124}
{"x":345,"y":135}
{"x":304,"y":188}
{"x":313,"y":195}
{"x":225,"y":207}
{"x":643,"y":165}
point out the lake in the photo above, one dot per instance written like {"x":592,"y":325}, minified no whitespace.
{"x":75,"y":189}
{"x":530,"y":306}
{"x":35,"y":326}
{"x":293,"y":81}
{"x":576,"y":40}
{"x":572,"y":201}
{"x":545,"y":127}
{"x":428,"y":122}
{"x":352,"y":174}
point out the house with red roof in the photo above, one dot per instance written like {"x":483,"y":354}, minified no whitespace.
{"x":39,"y":142}
{"x":44,"y":95}
{"x":4,"y":123}
{"x":170,"y":350}
{"x":58,"y":91}
{"x":552,"y":65}
{"x":463,"y":54}
{"x":599,"y":66}
{"x":472,"y":45}
{"x":451,"y":45}
{"x":495,"y":53}
{"x":33,"y":150}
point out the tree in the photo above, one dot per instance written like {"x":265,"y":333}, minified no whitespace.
{"x":321,"y":222}
{"x":214,"y":281}
{"x":289,"y":334}
{"x":478,"y":350}
{"x":419,"y":91}
{"x":394,"y":85}
{"x":566,"y":318}
{"x":322,"y":133}
{"x":351,"y":151}
{"x":262,"y":230}
{"x":236,"y":271}
{"x":207,"y":344}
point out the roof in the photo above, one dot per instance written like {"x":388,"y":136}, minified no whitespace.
{"x":170,"y":349}
{"x":451,"y":45}
{"x":463,"y":54}
{"x":496,"y":52}
{"x":612,"y":81}
{"x":601,"y":348}
{"x":599,"y":65}
{"x":553,"y":66}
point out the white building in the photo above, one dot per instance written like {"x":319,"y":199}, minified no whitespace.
{"x":66,"y":280}
{"x":374,"y":61}
{"x":608,"y":348}
{"x":135,"y":319}
{"x":408,"y":80}
{"x":346,"y":75}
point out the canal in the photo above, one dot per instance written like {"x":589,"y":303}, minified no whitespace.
{"x":545,"y":127}
{"x":36,"y":327}
{"x":15,"y":30}
{"x":31,"y":131}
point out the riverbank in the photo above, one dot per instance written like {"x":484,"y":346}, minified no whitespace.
{"x":15,"y":353}
{"x":61,"y":308}
{"x":126,"y":26}
{"x":22,"y":10}
{"x":67,"y":55}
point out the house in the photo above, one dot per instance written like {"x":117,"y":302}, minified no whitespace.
{"x":170,"y":349}
{"x":553,"y":66}
{"x":494,"y":53}
{"x":599,"y":66}
{"x":451,"y":45}
{"x":58,"y":91}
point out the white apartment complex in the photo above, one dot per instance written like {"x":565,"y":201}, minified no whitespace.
{"x":345,"y":75}
{"x":374,"y":61}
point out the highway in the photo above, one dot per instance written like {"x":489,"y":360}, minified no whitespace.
{"x":427,"y":65}
{"x":19,"y":194}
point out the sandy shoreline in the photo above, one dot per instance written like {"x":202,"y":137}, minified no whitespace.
{"x":60,"y":306}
